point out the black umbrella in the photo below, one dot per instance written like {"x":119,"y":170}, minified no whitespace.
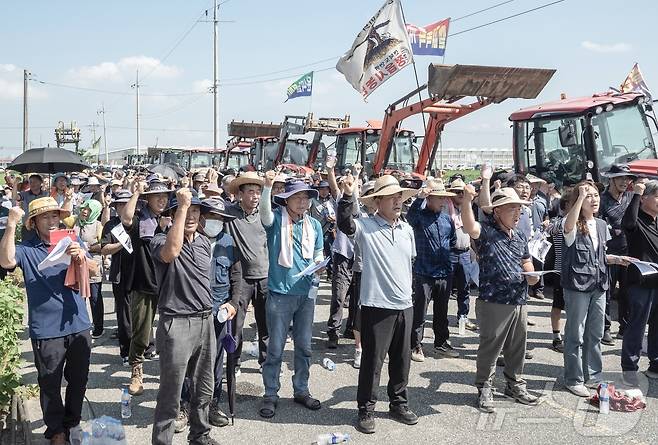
{"x":230,"y":345}
{"x":168,"y":170}
{"x":48,"y":160}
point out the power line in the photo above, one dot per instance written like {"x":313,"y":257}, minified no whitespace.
{"x":507,"y":18}
{"x":120,"y":93}
{"x":481,"y":10}
{"x":283,"y":70}
{"x":178,"y":42}
{"x":272,"y":80}
{"x":183,"y":104}
{"x":449,"y":35}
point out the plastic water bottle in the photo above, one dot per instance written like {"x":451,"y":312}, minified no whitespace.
{"x":604,"y":399}
{"x":462,"y":325}
{"x":126,"y":410}
{"x":329,"y":364}
{"x":328,"y":439}
{"x":222,"y":315}
{"x":315,"y":286}
{"x":253,"y":349}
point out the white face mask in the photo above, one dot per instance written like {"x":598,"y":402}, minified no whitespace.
{"x":213,"y":227}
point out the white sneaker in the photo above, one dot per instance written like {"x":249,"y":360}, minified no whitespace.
{"x":357,"y":358}
{"x":417,"y":354}
{"x":579,"y":390}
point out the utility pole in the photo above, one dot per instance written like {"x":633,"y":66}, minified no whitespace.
{"x":215,"y":74}
{"x":102,"y":112}
{"x":25,"y":123}
{"x":136,"y":87}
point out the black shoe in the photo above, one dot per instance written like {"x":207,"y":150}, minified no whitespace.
{"x":403,"y":414}
{"x":558,"y":345}
{"x":500,"y":361}
{"x":349,"y":333}
{"x":529,"y":355}
{"x":153,"y":355}
{"x":446,"y":350}
{"x":97,"y":334}
{"x":332,"y":341}
{"x":204,"y":440}
{"x":215,"y":415}
{"x":366,"y":422}
{"x":607,"y":339}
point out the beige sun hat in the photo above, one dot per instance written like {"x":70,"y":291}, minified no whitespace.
{"x":504,"y":196}
{"x":245,"y":178}
{"x":43,"y":205}
{"x":438,"y":189}
{"x":458,"y":185}
{"x":387,"y":185}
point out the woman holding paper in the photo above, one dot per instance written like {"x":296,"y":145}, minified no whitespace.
{"x":89,"y":228}
{"x":584,"y":278}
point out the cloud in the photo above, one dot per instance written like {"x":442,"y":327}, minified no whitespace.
{"x":202,"y":86}
{"x":619,"y":47}
{"x":11,"y":86}
{"x":124,"y":69}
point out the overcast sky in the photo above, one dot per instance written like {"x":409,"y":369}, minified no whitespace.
{"x":100,"y":45}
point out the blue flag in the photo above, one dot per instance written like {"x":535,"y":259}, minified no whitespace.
{"x":301,"y":87}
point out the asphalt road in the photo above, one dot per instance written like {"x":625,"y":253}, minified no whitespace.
{"x":441,"y":392}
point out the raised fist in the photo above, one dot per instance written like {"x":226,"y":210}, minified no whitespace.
{"x":184,"y":197}
{"x":269,"y":178}
{"x":638,"y":188}
{"x":469,"y":192}
{"x":15,"y":215}
{"x":486,"y":171}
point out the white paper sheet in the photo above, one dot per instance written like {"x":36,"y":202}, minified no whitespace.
{"x":538,"y":248}
{"x":539,"y":273}
{"x":122,"y":236}
{"x":312,"y":268}
{"x":645,"y":267}
{"x":58,"y":255}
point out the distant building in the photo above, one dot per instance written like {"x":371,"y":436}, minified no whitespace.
{"x":470,"y":157}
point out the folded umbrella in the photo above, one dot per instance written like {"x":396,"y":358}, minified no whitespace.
{"x":231,"y":362}
{"x":48,"y":160}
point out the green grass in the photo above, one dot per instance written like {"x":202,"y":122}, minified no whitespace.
{"x":469,"y":175}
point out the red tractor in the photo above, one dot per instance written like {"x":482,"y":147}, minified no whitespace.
{"x":573,"y":139}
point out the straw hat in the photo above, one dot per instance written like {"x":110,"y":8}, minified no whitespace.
{"x":438,"y":189}
{"x":457,"y":185}
{"x":43,"y":205}
{"x":387,"y":185}
{"x":121,"y":196}
{"x":245,"y":178}
{"x":504,"y":196}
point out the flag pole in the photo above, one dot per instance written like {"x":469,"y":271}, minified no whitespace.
{"x":413,"y":62}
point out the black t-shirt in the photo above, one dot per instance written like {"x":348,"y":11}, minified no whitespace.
{"x":122,"y":262}
{"x":185,"y":282}
{"x":141,"y":277}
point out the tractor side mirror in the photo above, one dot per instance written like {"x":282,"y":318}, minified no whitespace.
{"x":568,"y":135}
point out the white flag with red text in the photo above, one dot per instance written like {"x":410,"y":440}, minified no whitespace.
{"x":379,"y":51}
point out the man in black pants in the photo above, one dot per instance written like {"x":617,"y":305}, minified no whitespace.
{"x":435,"y":235}
{"x":249,"y":275}
{"x":387,"y":247}
{"x":58,"y":321}
{"x":121,"y":263}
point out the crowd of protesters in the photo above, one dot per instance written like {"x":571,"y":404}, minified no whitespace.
{"x":194,"y":253}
